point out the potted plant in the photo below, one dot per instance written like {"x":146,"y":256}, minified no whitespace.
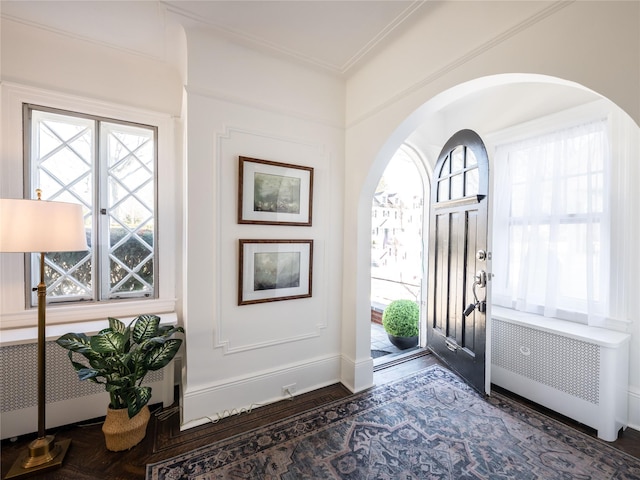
{"x":119,"y":357}
{"x":400,"y":321}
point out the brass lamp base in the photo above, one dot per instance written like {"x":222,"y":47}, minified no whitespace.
{"x":44,"y":454}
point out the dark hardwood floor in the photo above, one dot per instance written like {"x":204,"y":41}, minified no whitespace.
{"x":88,"y":458}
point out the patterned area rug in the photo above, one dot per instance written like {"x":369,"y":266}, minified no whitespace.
{"x":426,"y":426}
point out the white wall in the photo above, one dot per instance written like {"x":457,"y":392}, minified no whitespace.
{"x":242,"y":103}
{"x":50,"y":60}
{"x":594,"y":44}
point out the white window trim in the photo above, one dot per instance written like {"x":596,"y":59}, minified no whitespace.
{"x":13,"y":310}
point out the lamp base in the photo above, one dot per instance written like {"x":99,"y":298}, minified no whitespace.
{"x":43,"y":455}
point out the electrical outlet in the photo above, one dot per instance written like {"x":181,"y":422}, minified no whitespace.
{"x":289,"y":390}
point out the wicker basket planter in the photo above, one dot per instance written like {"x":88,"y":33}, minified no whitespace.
{"x":121,"y":432}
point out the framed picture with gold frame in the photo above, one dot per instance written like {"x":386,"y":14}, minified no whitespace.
{"x":274,"y":270}
{"x":274,"y":193}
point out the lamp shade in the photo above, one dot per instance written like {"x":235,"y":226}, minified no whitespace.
{"x":41,"y":226}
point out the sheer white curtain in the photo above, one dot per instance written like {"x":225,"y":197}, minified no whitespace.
{"x":552,"y":224}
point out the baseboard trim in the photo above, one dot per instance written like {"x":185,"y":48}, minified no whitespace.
{"x":204,"y":404}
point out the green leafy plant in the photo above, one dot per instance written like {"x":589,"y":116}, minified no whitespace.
{"x":120,"y":356}
{"x":400,"y":318}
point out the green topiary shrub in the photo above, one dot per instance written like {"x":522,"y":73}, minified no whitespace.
{"x":400,"y":318}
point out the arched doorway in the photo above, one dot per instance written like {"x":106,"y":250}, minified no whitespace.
{"x":398,"y":243}
{"x":517,"y":98}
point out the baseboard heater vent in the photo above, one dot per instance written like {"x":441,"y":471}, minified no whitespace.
{"x":578,"y":371}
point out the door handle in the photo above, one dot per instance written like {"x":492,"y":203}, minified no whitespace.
{"x":479,"y":280}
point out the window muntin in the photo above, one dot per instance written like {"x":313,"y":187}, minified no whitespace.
{"x":108,"y":166}
{"x":459,"y":176}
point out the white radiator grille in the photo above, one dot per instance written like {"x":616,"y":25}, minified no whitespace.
{"x":569,"y":365}
{"x":19,"y":377}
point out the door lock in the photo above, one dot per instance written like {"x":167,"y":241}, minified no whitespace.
{"x":480,"y":279}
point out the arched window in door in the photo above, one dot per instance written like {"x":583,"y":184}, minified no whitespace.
{"x":459,"y":175}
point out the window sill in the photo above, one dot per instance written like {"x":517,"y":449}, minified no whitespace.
{"x":21,"y":336}
{"x":600,"y":336}
{"x":80,"y":314}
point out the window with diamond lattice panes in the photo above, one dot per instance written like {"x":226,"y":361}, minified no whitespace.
{"x":109,"y":168}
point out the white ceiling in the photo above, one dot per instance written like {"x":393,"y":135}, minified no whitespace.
{"x":332,"y":34}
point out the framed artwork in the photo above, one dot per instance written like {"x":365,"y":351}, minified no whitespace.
{"x":273,"y":193}
{"x":273,"y":270}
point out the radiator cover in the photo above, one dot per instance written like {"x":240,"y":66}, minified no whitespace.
{"x":68,"y":400}
{"x":578,"y":371}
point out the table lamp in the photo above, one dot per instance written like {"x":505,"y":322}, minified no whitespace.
{"x":41,"y":226}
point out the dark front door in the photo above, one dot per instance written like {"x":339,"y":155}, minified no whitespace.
{"x":458,"y":257}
